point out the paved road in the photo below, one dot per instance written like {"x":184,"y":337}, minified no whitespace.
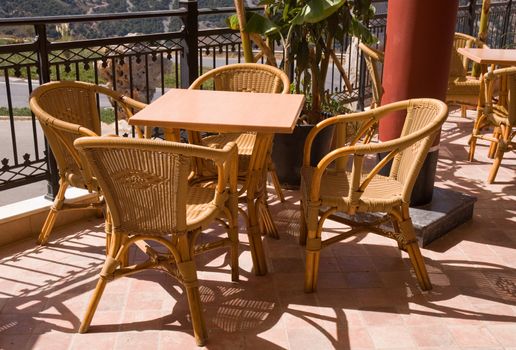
{"x":20,"y":93}
{"x":25,"y":144}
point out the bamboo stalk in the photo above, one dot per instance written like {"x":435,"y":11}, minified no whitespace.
{"x":246,"y":43}
{"x":482,"y":30}
{"x":266,"y":50}
{"x":341,"y":70}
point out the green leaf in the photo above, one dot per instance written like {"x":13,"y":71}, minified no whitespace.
{"x":317,"y":10}
{"x":362,"y":32}
{"x":301,"y":54}
{"x":232,"y":22}
{"x":257,"y":23}
{"x":285,"y":12}
{"x":362,"y":8}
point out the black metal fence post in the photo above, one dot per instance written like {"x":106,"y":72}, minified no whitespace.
{"x":471,"y":17}
{"x":189,"y":59}
{"x":44,"y":77}
{"x":361,"y":83}
{"x":505,"y":27}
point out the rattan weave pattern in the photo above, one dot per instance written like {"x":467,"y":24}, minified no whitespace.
{"x":500,"y":113}
{"x":66,"y":111}
{"x":463,"y":89}
{"x":331,"y":187}
{"x":373,"y":59}
{"x":146,"y":186}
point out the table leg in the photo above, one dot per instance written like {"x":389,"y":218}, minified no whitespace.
{"x":255,"y":238}
{"x":480,"y":112}
{"x":267,"y":225}
{"x":172,"y":134}
{"x":260,"y":219}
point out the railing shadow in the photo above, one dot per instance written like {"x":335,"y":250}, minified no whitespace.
{"x":45,"y":288}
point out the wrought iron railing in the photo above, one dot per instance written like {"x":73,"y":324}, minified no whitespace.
{"x":152,"y":63}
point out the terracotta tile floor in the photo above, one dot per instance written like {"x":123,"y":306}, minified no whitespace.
{"x":367,"y":296}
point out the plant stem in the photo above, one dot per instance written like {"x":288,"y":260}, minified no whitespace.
{"x":246,"y":42}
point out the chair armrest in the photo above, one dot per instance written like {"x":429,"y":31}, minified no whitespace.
{"x":225,"y":159}
{"x":358,"y":183}
{"x":392,"y":147}
{"x":370,"y":118}
{"x":132,"y":102}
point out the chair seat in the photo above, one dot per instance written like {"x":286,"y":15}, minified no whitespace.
{"x":200,"y":207}
{"x":245,"y":143}
{"x":463,"y":89}
{"x":382,"y":194}
{"x":500,"y":115}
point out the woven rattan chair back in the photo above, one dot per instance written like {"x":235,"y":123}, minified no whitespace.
{"x":330,"y":187}
{"x":145,"y":184}
{"x":499,"y":112}
{"x":66,"y":111}
{"x":506,"y":96}
{"x":463,"y":88}
{"x":422,"y":123}
{"x":373,"y":59}
{"x":459,"y":63}
{"x":245,"y":77}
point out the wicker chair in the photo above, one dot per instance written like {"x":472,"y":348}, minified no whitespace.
{"x":463,"y":88}
{"x":67,"y":110}
{"x":373,"y":59}
{"x":499,"y":113}
{"x":145,"y":184}
{"x":247,"y":77}
{"x":327,"y":190}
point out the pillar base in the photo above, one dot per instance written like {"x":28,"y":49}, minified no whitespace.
{"x":447,"y":210}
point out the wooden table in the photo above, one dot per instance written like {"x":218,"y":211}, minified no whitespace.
{"x":225,"y":111}
{"x":486,"y":56}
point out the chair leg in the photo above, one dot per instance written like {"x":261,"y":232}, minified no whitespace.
{"x":108,"y":269}
{"x":108,"y":228}
{"x":188,"y":273}
{"x":52,"y":215}
{"x":313,"y":249}
{"x":463,"y":111}
{"x":124,"y":258}
{"x":233,"y":236}
{"x":302,"y":226}
{"x":276,"y":184}
{"x":504,"y":135}
{"x":473,"y":140}
{"x":412,"y":248}
{"x":255,"y":237}
{"x":313,"y":254}
{"x":494,"y":145}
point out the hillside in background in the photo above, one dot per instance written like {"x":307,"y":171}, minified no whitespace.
{"x":31,"y":8}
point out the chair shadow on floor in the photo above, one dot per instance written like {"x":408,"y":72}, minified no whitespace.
{"x":269,"y":311}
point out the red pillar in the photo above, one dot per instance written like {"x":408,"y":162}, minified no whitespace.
{"x":416,"y":64}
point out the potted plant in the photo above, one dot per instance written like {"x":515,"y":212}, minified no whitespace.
{"x":308,"y":32}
